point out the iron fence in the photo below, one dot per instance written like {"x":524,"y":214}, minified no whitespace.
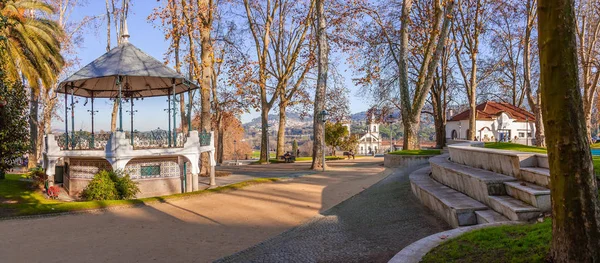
{"x":157,"y":139}
{"x":83,"y":140}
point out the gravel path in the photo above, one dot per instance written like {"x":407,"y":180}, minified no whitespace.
{"x":198,"y":229}
{"x":369,"y":227}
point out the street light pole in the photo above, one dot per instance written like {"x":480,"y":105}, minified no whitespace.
{"x":235,"y":151}
{"x":324,"y":119}
{"x":390,"y":122}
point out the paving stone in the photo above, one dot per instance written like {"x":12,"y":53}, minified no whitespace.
{"x":369,"y":227}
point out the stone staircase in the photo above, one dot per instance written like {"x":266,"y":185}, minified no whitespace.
{"x":472,"y":185}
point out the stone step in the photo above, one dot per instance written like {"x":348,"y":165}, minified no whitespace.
{"x":532,"y":194}
{"x":513,"y":209}
{"x":474,"y":182}
{"x":536,"y":175}
{"x":489,"y":216}
{"x":454,"y":207}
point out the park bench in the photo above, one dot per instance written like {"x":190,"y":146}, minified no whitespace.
{"x":349,"y":154}
{"x":288,"y":159}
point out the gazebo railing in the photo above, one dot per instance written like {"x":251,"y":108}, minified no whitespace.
{"x":157,"y":139}
{"x":205,"y":138}
{"x":82,"y":140}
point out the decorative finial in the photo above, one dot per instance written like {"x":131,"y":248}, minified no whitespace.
{"x":125,"y":36}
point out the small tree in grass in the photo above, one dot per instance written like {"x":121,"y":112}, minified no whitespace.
{"x":295,"y":148}
{"x":334,"y":135}
{"x":337,"y":136}
{"x":14,"y":136}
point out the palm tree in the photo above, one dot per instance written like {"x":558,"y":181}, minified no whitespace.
{"x":32,"y":47}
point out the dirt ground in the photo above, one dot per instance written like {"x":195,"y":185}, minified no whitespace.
{"x":199,"y":229}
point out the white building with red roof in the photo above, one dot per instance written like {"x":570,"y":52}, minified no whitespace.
{"x":494,"y":121}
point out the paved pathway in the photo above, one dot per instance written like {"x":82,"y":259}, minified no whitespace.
{"x":370,"y":227}
{"x":199,"y":229}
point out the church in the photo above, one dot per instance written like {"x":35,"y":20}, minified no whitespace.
{"x":369,"y":142}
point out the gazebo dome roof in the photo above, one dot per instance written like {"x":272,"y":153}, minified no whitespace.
{"x":141,"y":76}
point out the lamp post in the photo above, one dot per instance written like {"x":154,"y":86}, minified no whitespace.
{"x":459,"y":130}
{"x":390,"y":122}
{"x":93,"y":112}
{"x":324,"y":120}
{"x":268,"y":150}
{"x":131,"y":113}
{"x":235,"y":151}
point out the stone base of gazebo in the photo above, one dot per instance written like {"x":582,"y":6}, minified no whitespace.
{"x":158,"y":171}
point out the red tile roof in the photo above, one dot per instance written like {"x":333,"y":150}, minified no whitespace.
{"x":489,"y":110}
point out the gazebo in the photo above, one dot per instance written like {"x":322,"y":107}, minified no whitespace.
{"x":161,"y":161}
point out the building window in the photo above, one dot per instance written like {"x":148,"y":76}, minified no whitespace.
{"x":521,"y":135}
{"x":150,"y":170}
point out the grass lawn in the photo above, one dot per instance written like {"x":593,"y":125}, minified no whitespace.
{"x":514,"y":147}
{"x":306,"y":158}
{"x":16,"y":198}
{"x":417,"y":152}
{"x":516,"y":243}
{"x":256,"y":155}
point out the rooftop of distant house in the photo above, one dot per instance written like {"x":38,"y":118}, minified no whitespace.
{"x":490,"y":110}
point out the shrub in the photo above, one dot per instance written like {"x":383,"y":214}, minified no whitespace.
{"x":38,"y":176}
{"x":126,"y":188}
{"x":110,"y":185}
{"x":102,"y":187}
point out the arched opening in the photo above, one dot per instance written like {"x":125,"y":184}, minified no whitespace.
{"x":454,"y":135}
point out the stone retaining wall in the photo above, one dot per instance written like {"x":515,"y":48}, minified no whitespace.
{"x":393,"y":160}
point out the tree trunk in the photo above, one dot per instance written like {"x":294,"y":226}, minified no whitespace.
{"x":440,"y":131}
{"x":322,"y":56}
{"x":264,"y":143}
{"x":473,"y":99}
{"x":540,"y":141}
{"x":113,"y":116}
{"x":33,"y":129}
{"x":207,"y":69}
{"x":574,"y":193}
{"x":221,"y":135}
{"x":472,"y":119}
{"x":411,"y":133}
{"x":281,"y":130}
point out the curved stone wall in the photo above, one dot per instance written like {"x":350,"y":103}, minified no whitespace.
{"x":393,"y":160}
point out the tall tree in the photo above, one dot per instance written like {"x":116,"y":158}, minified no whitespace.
{"x":119,"y":16}
{"x":398,"y":67}
{"x":260,"y":16}
{"x":412,"y":105}
{"x":322,"y":64}
{"x":574,"y":193}
{"x":588,"y":38}
{"x":69,"y":41}
{"x":506,"y":29}
{"x":290,"y":56}
{"x":439,"y":96}
{"x":534,"y":97}
{"x":472,"y":18}
{"x":33,"y":46}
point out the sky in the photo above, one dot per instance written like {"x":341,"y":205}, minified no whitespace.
{"x":150,"y":113}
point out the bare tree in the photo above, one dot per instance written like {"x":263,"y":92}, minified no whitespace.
{"x":472,"y":18}
{"x":323,"y":67}
{"x":588,"y":38}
